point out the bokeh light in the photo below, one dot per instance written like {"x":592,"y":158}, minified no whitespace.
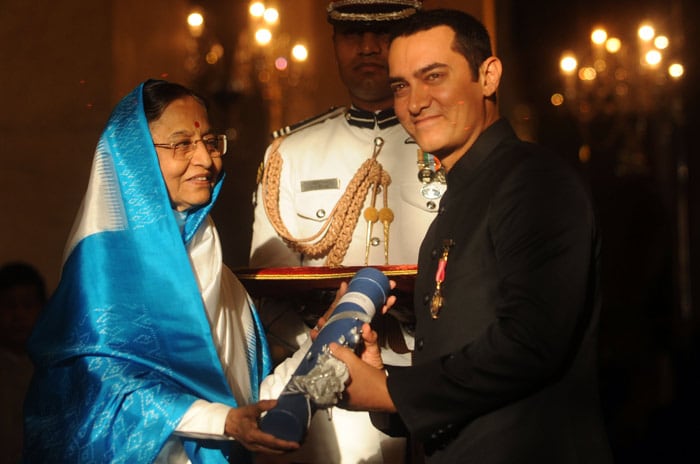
{"x":646,"y":32}
{"x":568,"y":63}
{"x":557,"y":99}
{"x":271,"y":15}
{"x":661,"y":42}
{"x":652,"y":57}
{"x":587,"y":73}
{"x":676,"y":70}
{"x":195,"y":23}
{"x":195,"y":19}
{"x":613,"y":45}
{"x":281,"y":63}
{"x":263,"y":36}
{"x":256,"y":9}
{"x":598,"y":36}
{"x":299,"y":52}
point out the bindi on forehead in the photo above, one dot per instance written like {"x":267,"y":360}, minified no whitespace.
{"x":196,"y":124}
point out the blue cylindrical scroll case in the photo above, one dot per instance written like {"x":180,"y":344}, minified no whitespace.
{"x":367,"y":291}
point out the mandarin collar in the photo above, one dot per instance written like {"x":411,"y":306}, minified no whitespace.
{"x":484,"y":145}
{"x":368,"y":119}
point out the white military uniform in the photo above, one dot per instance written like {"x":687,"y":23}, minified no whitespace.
{"x":318,"y":163}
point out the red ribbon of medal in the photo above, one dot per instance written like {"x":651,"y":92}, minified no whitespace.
{"x":438,"y":300}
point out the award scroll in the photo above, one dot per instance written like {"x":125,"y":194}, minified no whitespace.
{"x":319,"y":378}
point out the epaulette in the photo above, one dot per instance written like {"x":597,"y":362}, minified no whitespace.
{"x":331,"y":113}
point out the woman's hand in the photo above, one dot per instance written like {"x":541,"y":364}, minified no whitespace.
{"x":242,"y":424}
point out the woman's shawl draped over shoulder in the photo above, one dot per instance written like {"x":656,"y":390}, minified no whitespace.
{"x":124,"y":346}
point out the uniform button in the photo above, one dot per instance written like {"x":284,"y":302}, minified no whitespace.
{"x":426,"y":298}
{"x":442,"y":210}
{"x":434,"y":253}
{"x":419,"y":344}
{"x":321,"y":213}
{"x":375,"y":241}
{"x":431,"y":205}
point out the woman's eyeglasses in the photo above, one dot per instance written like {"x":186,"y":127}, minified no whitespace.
{"x":214,"y":144}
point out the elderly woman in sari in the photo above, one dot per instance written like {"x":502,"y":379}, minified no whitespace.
{"x":150,"y":349}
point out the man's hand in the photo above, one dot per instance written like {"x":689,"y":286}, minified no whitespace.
{"x":371,"y":351}
{"x":366,"y":390}
{"x":242,"y":424}
{"x":391,"y":299}
{"x":342,"y":290}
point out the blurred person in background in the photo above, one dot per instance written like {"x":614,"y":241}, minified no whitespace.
{"x":22,"y":297}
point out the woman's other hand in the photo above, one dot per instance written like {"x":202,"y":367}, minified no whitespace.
{"x":242,"y":424}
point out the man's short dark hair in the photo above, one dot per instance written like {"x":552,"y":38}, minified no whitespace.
{"x":471,"y":37}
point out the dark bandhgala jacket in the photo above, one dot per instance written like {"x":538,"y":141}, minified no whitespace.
{"x":507,"y":372}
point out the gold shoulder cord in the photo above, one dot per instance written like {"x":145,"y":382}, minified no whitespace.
{"x":336,"y":231}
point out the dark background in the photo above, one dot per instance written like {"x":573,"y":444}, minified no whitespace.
{"x":649,"y":333}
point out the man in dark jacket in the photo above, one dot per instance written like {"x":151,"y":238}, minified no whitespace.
{"x":507,"y":295}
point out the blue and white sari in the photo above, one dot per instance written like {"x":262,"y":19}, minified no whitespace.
{"x":145,"y":321}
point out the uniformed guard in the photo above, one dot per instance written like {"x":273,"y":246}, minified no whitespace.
{"x":323,"y":174}
{"x":346,"y":188}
